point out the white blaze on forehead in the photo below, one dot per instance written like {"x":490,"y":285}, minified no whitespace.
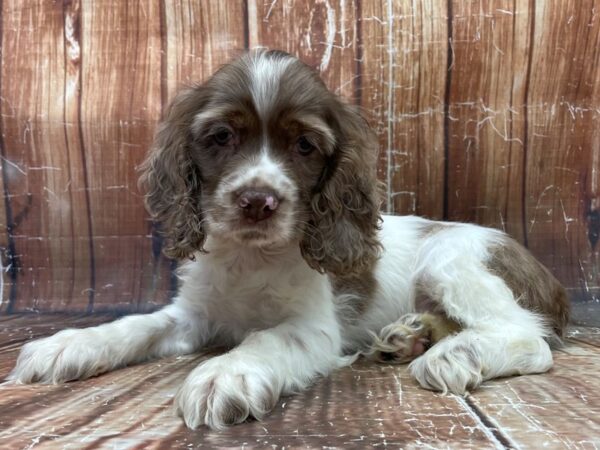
{"x":265,"y":75}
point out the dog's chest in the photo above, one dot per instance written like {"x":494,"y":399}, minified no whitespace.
{"x":242,"y":297}
{"x":253,"y":304}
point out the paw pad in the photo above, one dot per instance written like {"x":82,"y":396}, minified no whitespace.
{"x":401,"y":341}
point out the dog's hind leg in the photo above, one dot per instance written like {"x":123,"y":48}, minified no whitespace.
{"x":499,"y":337}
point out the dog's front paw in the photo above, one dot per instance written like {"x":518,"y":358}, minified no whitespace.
{"x":68,"y":355}
{"x":225,"y":391}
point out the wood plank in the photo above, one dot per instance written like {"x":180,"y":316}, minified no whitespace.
{"x":121,"y":103}
{"x":563,"y":152}
{"x":114,"y":397}
{"x":523,"y":141}
{"x":556,"y":410}
{"x":198,"y":38}
{"x":365,"y":405}
{"x":403,"y":78}
{"x":589,"y":335}
{"x":586,"y":313}
{"x":42,"y":166}
{"x":322,"y":34}
{"x":487,"y":113}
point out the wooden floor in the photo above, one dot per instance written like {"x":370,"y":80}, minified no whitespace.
{"x":362,"y":406}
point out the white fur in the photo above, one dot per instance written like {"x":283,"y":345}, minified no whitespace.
{"x":266,"y":74}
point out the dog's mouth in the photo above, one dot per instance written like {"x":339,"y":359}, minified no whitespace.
{"x":230,"y":222}
{"x":257,"y":233}
{"x":244,"y":232}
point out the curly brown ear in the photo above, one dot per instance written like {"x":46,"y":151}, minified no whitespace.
{"x":172,"y":181}
{"x":342,"y":236}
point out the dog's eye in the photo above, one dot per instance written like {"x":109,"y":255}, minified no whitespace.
{"x":304,"y":146}
{"x":222,"y":136}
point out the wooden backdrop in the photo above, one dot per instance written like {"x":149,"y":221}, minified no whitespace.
{"x":487,"y":112}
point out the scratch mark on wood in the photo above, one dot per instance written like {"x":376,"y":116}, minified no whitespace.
{"x":330,"y":30}
{"x":16,"y":166}
{"x":271,"y":6}
{"x":398,"y":389}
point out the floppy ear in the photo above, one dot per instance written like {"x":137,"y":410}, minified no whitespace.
{"x":342,"y":237}
{"x":171,"y":179}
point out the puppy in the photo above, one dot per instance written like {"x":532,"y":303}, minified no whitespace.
{"x":265,"y":183}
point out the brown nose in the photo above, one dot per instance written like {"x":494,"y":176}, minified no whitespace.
{"x":258,"y":205}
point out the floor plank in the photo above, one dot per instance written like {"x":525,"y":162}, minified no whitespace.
{"x":556,"y":410}
{"x":364,"y":405}
{"x":361,"y":406}
{"x":589,"y":335}
{"x":586,"y":313}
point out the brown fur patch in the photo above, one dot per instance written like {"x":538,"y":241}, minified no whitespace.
{"x":439,"y":326}
{"x":360,"y":289}
{"x":432,"y":228}
{"x":233,"y":411}
{"x":425,"y":299}
{"x":531,"y":283}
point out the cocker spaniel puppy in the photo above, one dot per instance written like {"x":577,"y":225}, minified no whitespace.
{"x":265,"y":182}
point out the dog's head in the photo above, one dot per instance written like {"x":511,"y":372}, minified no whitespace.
{"x":263,"y":154}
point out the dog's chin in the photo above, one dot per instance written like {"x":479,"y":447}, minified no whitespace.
{"x":255,"y":238}
{"x":262,"y":234}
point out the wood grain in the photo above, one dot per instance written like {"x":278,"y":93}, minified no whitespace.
{"x":558,"y":410}
{"x":42,"y":160}
{"x":403,"y":78}
{"x":199,"y":37}
{"x":365,"y":405}
{"x":121,"y":103}
{"x":486,"y":112}
{"x":586,"y":335}
{"x":563,"y":161}
{"x":133,"y":407}
{"x":324,"y":34}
